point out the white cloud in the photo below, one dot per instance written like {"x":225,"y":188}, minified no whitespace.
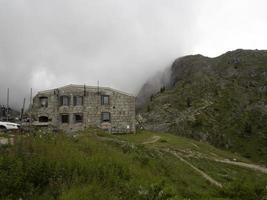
{"x":228,"y":25}
{"x":118,"y":42}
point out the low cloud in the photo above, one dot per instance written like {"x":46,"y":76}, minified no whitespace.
{"x":121,"y":43}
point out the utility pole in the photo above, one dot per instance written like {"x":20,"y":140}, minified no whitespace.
{"x":98,"y":87}
{"x":22,"y":109}
{"x":7,"y":104}
{"x":84,"y":90}
{"x":31,"y":110}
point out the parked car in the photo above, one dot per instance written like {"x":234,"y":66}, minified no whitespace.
{"x":9,"y":126}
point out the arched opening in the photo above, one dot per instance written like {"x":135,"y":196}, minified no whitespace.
{"x":43,"y":119}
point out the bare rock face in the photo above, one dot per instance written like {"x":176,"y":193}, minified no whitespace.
{"x":187,"y":66}
{"x":221,"y":100}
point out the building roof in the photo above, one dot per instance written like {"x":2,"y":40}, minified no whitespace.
{"x":87,"y":87}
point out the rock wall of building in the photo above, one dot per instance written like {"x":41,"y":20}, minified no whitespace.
{"x":121,"y":108}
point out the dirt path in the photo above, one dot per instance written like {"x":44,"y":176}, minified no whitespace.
{"x":203,"y":174}
{"x":152,"y":140}
{"x":246,"y":165}
{"x":155,"y":138}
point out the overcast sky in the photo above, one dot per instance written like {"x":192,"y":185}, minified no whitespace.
{"x":49,"y":43}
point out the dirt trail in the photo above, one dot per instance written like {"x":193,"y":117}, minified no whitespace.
{"x":203,"y":174}
{"x":200,"y":172}
{"x":246,"y":165}
{"x":152,"y":140}
{"x":103,"y":138}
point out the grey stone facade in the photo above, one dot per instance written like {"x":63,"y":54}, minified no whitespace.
{"x":75,"y":107}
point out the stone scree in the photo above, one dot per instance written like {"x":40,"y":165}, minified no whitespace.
{"x":103,"y":107}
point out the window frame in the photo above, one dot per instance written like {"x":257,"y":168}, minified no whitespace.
{"x":75,"y":120}
{"x":103,"y":99}
{"x":102,"y":117}
{"x":46,"y":103}
{"x":62,"y":100}
{"x":61,"y":118}
{"x":75,"y":100}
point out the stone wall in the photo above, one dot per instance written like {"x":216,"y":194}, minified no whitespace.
{"x":121,"y":108}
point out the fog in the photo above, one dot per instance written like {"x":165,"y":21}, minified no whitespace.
{"x":121,"y":43}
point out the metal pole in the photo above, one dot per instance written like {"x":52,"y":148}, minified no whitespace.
{"x":22,"y":110}
{"x":84,"y":90}
{"x":31,"y":110}
{"x":7,"y":104}
{"x":98,"y":87}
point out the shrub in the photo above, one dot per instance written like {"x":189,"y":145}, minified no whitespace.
{"x":241,"y":189}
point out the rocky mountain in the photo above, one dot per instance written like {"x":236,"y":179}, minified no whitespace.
{"x":221,"y":100}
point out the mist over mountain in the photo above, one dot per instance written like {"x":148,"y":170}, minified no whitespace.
{"x":48,"y":44}
{"x":153,"y":85}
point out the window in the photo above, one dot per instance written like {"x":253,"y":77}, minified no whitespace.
{"x":105,"y":117}
{"x":78,"y":118}
{"x":43,"y":119}
{"x":104,"y":99}
{"x":65,"y":118}
{"x":77,"y":100}
{"x":43,"y":101}
{"x":64,"y":101}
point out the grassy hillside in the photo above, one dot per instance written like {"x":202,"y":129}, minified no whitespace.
{"x":221,"y":100}
{"x":147,"y":165}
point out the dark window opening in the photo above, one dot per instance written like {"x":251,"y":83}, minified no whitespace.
{"x":64,"y":101}
{"x":78,"y":118}
{"x":43,"y":101}
{"x":65,"y":119}
{"x":43,"y":119}
{"x":77,"y":100}
{"x":105,"y":117}
{"x":104,"y":99}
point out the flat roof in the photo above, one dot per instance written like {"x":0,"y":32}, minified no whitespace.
{"x":86,"y":86}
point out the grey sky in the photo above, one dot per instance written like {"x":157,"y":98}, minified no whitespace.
{"x":47,"y":44}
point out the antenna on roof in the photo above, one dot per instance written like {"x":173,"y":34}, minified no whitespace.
{"x":84,"y":90}
{"x":98,"y":87}
{"x":30,"y":109}
{"x":22,"y":109}
{"x":7,"y":104}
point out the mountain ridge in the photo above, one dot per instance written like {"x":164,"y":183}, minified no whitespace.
{"x":222,"y":100}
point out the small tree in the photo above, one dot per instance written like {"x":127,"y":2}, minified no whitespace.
{"x":188,"y":102}
{"x":148,"y":108}
{"x":162,"y":89}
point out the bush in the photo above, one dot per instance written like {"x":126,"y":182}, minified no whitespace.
{"x":241,"y":189}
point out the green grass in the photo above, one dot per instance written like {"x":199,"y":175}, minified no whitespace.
{"x":90,"y":166}
{"x":170,"y":140}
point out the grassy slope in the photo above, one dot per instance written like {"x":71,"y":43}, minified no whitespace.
{"x":220,"y":100}
{"x":120,"y":167}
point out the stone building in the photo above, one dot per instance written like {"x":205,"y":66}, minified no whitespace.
{"x":75,"y":107}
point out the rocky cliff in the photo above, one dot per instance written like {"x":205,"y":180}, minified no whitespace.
{"x":222,"y":100}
